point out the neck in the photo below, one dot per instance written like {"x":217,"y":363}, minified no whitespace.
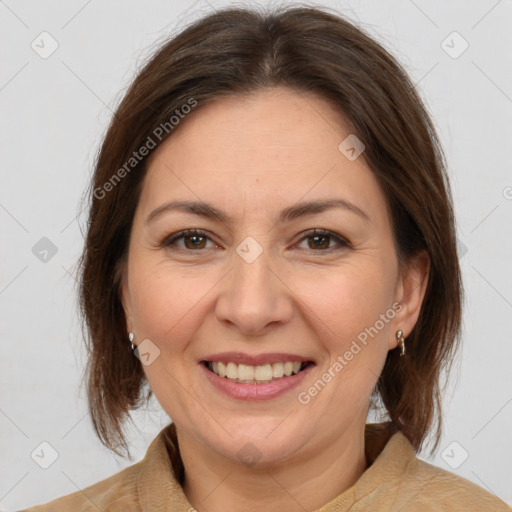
{"x":215,"y":484}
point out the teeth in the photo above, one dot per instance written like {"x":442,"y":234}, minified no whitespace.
{"x":263,"y":372}
{"x":247,"y":373}
{"x":232,"y":371}
{"x":277,"y":370}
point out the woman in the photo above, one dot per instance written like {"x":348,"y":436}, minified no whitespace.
{"x":272,"y":234}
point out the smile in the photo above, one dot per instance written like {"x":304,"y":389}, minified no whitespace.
{"x":261,"y":374}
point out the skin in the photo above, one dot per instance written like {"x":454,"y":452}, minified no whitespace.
{"x":251,"y":156}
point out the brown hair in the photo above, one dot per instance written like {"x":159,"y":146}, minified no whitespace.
{"x":236,"y":51}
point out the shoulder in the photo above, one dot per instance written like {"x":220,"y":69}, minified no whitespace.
{"x":118,"y":492}
{"x":397,"y":479}
{"x":437,"y":489}
{"x":132,"y":489}
{"x":447,"y":491}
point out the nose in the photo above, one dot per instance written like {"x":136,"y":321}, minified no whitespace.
{"x":254,"y":296}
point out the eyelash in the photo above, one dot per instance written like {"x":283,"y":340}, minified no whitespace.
{"x":169,"y":241}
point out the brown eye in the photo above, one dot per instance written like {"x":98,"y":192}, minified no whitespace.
{"x":196,"y":241}
{"x":320,"y":240}
{"x":193,"y":240}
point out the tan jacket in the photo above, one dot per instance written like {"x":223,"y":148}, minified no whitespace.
{"x":396,"y":480}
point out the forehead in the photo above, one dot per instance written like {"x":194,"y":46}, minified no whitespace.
{"x":259,"y":148}
{"x":272,"y":124}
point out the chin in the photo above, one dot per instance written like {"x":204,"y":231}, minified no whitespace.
{"x":261,"y":443}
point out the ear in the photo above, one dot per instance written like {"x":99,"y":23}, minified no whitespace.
{"x":410,"y":292}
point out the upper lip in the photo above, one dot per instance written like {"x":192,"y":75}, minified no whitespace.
{"x":255,"y":360}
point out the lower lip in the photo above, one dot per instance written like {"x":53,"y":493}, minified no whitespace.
{"x":255,"y":391}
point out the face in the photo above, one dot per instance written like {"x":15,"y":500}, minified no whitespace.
{"x":253,"y":287}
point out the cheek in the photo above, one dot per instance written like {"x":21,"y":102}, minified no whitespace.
{"x":351,"y":329}
{"x":167,"y":301}
{"x":348,"y":300}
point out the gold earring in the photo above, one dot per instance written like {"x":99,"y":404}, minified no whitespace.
{"x":401,"y":342}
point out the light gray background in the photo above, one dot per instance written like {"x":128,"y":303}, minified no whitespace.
{"x":54,"y":113}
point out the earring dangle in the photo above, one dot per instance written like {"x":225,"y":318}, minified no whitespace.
{"x":401,"y":342}
{"x":130,"y":338}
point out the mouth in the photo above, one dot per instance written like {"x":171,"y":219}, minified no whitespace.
{"x":260,"y":374}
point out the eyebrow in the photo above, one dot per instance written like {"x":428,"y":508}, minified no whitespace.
{"x":288,"y":214}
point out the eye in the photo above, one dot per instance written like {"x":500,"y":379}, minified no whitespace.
{"x":321,"y":239}
{"x":194,"y":239}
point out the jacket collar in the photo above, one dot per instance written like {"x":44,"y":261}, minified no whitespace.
{"x":388,"y":453}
